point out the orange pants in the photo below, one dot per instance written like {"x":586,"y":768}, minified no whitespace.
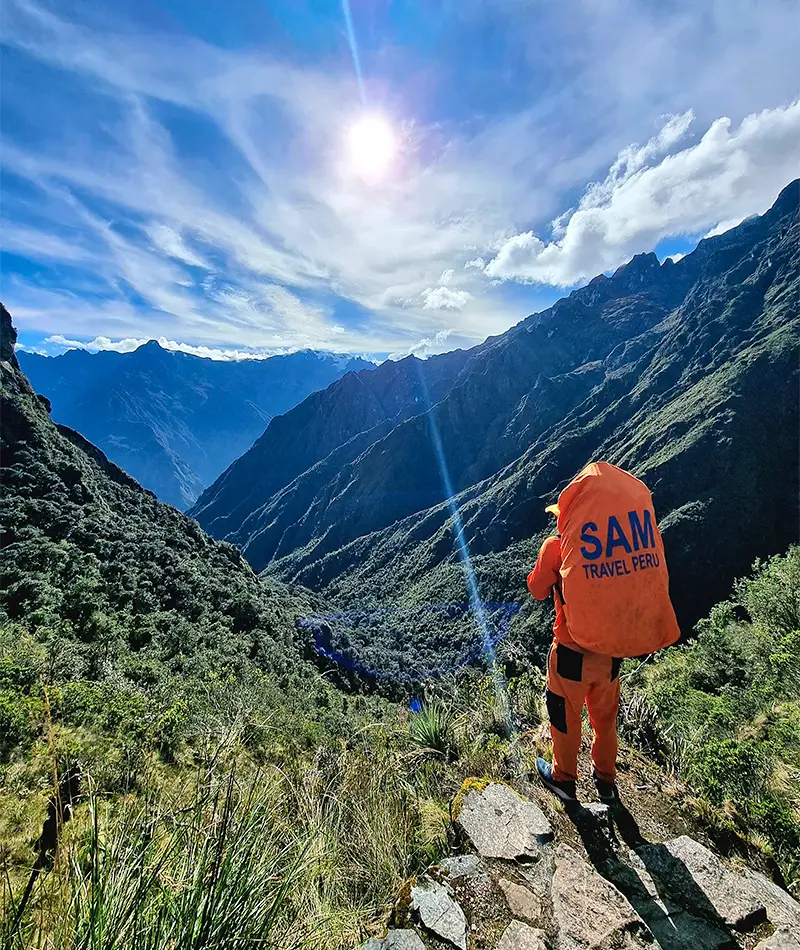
{"x":575,"y":678}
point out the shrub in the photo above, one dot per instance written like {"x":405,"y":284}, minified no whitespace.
{"x":724,"y":710}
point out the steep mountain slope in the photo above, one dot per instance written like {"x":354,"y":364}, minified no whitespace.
{"x":704,"y":406}
{"x":504,"y":389}
{"x":346,"y":418}
{"x":683,"y":372}
{"x":112,"y":578}
{"x":172,"y":420}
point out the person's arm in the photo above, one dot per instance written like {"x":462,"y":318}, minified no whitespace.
{"x":543,"y":577}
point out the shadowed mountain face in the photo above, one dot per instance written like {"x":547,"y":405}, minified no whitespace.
{"x":116,"y":578}
{"x":684,"y":373}
{"x":172,"y":420}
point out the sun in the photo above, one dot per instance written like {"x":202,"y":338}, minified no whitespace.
{"x":371,"y":147}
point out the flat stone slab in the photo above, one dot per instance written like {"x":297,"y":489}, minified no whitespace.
{"x":522,"y":902}
{"x":783,"y":911}
{"x":696,"y":878}
{"x":463,"y":865}
{"x":395,"y":940}
{"x":502,"y":824}
{"x":519,"y":936}
{"x":674,"y":927}
{"x":589,"y":910}
{"x":782,"y":939}
{"x":440,"y":913}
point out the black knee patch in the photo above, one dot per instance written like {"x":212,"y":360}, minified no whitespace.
{"x":569,"y":663}
{"x":557,"y":711}
{"x":616,"y":663}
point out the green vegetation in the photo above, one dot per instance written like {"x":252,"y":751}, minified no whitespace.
{"x":221,"y":791}
{"x":724,"y":711}
{"x":227,"y":793}
{"x":206,"y":823}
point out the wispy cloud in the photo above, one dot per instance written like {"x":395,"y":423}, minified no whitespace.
{"x":248,"y":231}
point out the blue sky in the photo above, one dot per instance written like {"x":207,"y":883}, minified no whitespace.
{"x":190,"y":171}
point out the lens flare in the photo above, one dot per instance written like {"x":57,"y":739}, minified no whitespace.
{"x":371,"y":147}
{"x":478,"y":609}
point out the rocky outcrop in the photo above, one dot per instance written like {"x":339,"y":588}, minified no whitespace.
{"x":439,"y":913}
{"x":501,"y":824}
{"x":8,"y":338}
{"x":525,"y":891}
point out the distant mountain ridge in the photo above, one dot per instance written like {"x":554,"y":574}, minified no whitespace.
{"x":175,"y":421}
{"x":683,"y":372}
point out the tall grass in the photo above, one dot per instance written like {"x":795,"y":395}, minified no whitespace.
{"x":277,"y":860}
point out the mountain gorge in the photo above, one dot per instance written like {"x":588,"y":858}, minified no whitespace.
{"x":223,"y":792}
{"x":172,"y":420}
{"x":683,"y":372}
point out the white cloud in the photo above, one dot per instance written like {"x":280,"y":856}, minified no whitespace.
{"x":724,"y":226}
{"x":423,"y":348}
{"x":98,"y":344}
{"x":446,"y":276}
{"x":171,"y":242}
{"x":444,"y":298}
{"x":729,"y":174}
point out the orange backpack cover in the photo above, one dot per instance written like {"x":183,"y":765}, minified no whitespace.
{"x":614,"y":581}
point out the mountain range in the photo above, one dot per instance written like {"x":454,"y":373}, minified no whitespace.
{"x":685,"y":373}
{"x":154,"y":694}
{"x":172,"y":420}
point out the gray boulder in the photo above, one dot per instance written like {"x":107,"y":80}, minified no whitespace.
{"x":519,"y":936}
{"x":502,"y":824}
{"x":696,"y":877}
{"x":589,"y":910}
{"x":440,"y":913}
{"x":395,"y":940}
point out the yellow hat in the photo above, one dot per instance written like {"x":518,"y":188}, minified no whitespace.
{"x":554,"y":510}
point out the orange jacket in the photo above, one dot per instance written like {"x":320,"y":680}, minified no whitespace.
{"x":543,"y":579}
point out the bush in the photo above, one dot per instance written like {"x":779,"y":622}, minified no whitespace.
{"x":18,"y":722}
{"x":724,"y":710}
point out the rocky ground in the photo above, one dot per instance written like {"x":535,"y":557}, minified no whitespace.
{"x":533,"y":875}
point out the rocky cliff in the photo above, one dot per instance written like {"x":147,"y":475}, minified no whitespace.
{"x":522,"y":882}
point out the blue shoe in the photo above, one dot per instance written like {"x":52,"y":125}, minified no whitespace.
{"x":565,"y":790}
{"x":606,"y":790}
